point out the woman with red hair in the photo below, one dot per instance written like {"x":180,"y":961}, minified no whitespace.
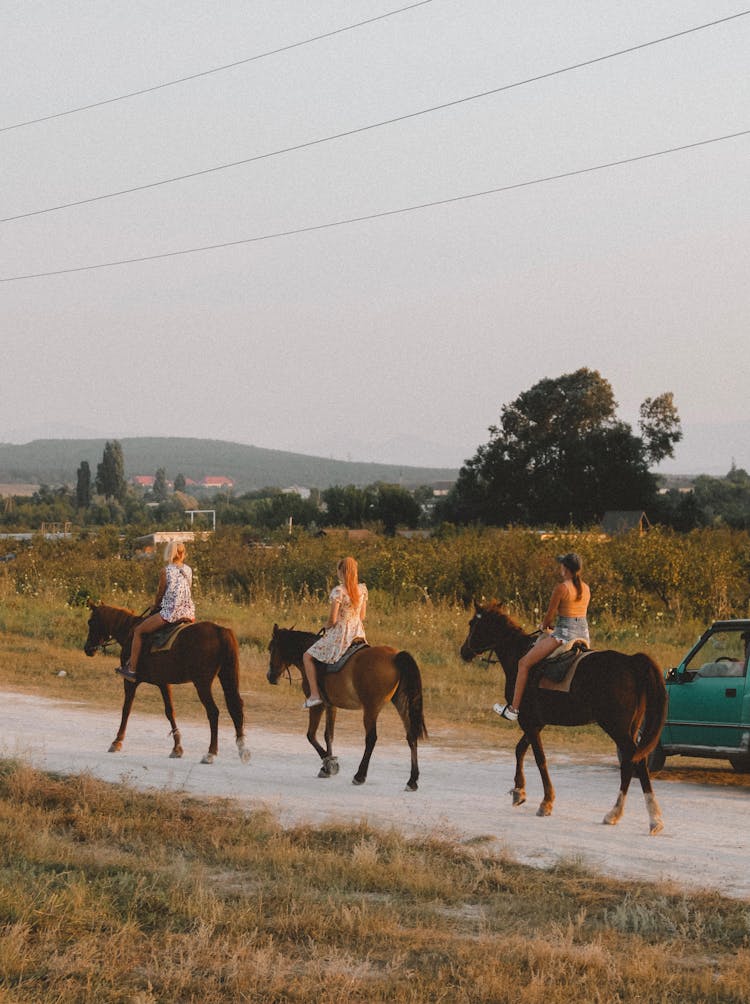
{"x":345,"y":625}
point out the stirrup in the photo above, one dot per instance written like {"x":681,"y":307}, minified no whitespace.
{"x":126,"y":672}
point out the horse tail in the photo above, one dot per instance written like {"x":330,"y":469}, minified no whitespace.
{"x":229,"y":671}
{"x":654,"y":694}
{"x":409,"y":695}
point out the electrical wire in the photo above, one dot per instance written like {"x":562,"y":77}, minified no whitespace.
{"x":367,"y":128}
{"x":215,"y":69}
{"x":381,"y":215}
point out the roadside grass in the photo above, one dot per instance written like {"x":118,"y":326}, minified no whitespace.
{"x":112,"y":895}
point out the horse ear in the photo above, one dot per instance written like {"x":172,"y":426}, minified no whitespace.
{"x":92,"y":603}
{"x":275,"y":630}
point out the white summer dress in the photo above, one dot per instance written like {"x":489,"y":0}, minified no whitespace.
{"x":177,"y":601}
{"x":349,"y":626}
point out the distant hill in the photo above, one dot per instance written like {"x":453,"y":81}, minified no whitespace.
{"x":56,"y":461}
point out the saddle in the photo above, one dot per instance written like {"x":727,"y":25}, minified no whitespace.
{"x":556,"y":672}
{"x":163,"y":639}
{"x":335,"y":667}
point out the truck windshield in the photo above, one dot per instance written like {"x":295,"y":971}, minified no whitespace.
{"x":724,"y":652}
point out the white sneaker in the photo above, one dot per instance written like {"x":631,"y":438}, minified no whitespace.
{"x":505,"y":711}
{"x":311,"y":702}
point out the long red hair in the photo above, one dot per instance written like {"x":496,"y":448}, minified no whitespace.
{"x":347,"y":568}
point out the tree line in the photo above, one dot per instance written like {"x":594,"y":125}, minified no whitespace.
{"x":558,"y":457}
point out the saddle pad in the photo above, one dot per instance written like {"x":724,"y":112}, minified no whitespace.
{"x":563,"y":686}
{"x":334,"y":667}
{"x":163,"y":639}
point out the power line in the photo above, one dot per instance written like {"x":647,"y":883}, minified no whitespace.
{"x":366,"y":128}
{"x":215,"y":69}
{"x":381,"y":215}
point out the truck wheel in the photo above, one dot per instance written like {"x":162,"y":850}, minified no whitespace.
{"x":741,"y":763}
{"x":656,"y":759}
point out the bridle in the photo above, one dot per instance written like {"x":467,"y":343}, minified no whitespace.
{"x":488,"y":659}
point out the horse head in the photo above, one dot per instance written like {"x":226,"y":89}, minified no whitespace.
{"x":278,"y":660}
{"x":98,"y":632}
{"x":487,"y":628}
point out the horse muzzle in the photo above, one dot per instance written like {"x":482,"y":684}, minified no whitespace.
{"x":467,"y":653}
{"x":272,"y":677}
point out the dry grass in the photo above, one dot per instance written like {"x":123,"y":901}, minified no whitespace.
{"x":110,"y":895}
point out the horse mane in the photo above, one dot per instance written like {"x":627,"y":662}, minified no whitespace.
{"x":496,"y":609}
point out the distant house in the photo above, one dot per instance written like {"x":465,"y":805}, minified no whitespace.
{"x":217,"y":482}
{"x":143,"y":480}
{"x":441,"y":488}
{"x":622,"y":520}
{"x":304,"y":493}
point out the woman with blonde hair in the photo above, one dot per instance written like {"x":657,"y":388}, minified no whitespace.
{"x":344,"y":625}
{"x":173,"y":603}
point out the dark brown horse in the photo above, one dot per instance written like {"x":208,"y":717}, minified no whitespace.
{"x":624,"y":694}
{"x":370,"y":678}
{"x":200,"y":652}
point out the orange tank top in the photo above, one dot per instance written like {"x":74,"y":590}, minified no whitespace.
{"x":570,"y":605}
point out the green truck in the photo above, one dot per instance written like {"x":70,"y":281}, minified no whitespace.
{"x":708,"y":714}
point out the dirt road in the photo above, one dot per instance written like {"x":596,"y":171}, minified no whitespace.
{"x":462,"y":795}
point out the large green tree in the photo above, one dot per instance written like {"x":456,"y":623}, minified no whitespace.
{"x":561,"y":455}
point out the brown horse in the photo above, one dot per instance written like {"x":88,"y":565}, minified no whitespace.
{"x":624,"y":694}
{"x":372,"y":676}
{"x":200,"y":652}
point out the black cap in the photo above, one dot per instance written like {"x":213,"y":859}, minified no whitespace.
{"x":571,"y":560}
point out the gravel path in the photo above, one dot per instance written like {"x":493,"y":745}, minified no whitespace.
{"x":462,"y":795}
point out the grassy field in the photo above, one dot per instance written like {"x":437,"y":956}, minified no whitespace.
{"x":112,"y":895}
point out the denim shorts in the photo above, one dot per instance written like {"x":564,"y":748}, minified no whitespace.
{"x":569,"y":628}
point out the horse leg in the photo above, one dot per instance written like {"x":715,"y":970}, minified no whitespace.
{"x":236,"y":709}
{"x":545,"y":806}
{"x":371,"y":737}
{"x":330,"y":762}
{"x":402,"y":706}
{"x":212,"y":711}
{"x":626,"y":749}
{"x":166,"y":696}
{"x":655,"y":821}
{"x":518,"y":791}
{"x":313,"y":721}
{"x":127,"y":705}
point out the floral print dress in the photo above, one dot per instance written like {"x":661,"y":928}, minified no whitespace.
{"x":349,"y":626}
{"x":177,"y":601}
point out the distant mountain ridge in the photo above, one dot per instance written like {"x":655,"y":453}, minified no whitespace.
{"x":56,"y":461}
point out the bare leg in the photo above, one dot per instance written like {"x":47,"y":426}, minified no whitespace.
{"x":152,"y":623}
{"x":312,"y":676}
{"x":543,"y":647}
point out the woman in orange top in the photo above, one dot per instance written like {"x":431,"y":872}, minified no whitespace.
{"x":566,"y":616}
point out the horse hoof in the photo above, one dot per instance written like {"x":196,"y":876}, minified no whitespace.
{"x":115,"y":748}
{"x":245,"y":756}
{"x":358,"y":780}
{"x":611,"y":820}
{"x":544,"y":810}
{"x":323,"y":772}
{"x":656,"y":827}
{"x":519,"y":797}
{"x":411,"y":786}
{"x":209,"y":758}
{"x":176,"y":754}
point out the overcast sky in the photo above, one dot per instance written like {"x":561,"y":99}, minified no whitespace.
{"x":397,"y":338}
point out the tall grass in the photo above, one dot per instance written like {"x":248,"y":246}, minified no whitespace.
{"x":110,"y":895}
